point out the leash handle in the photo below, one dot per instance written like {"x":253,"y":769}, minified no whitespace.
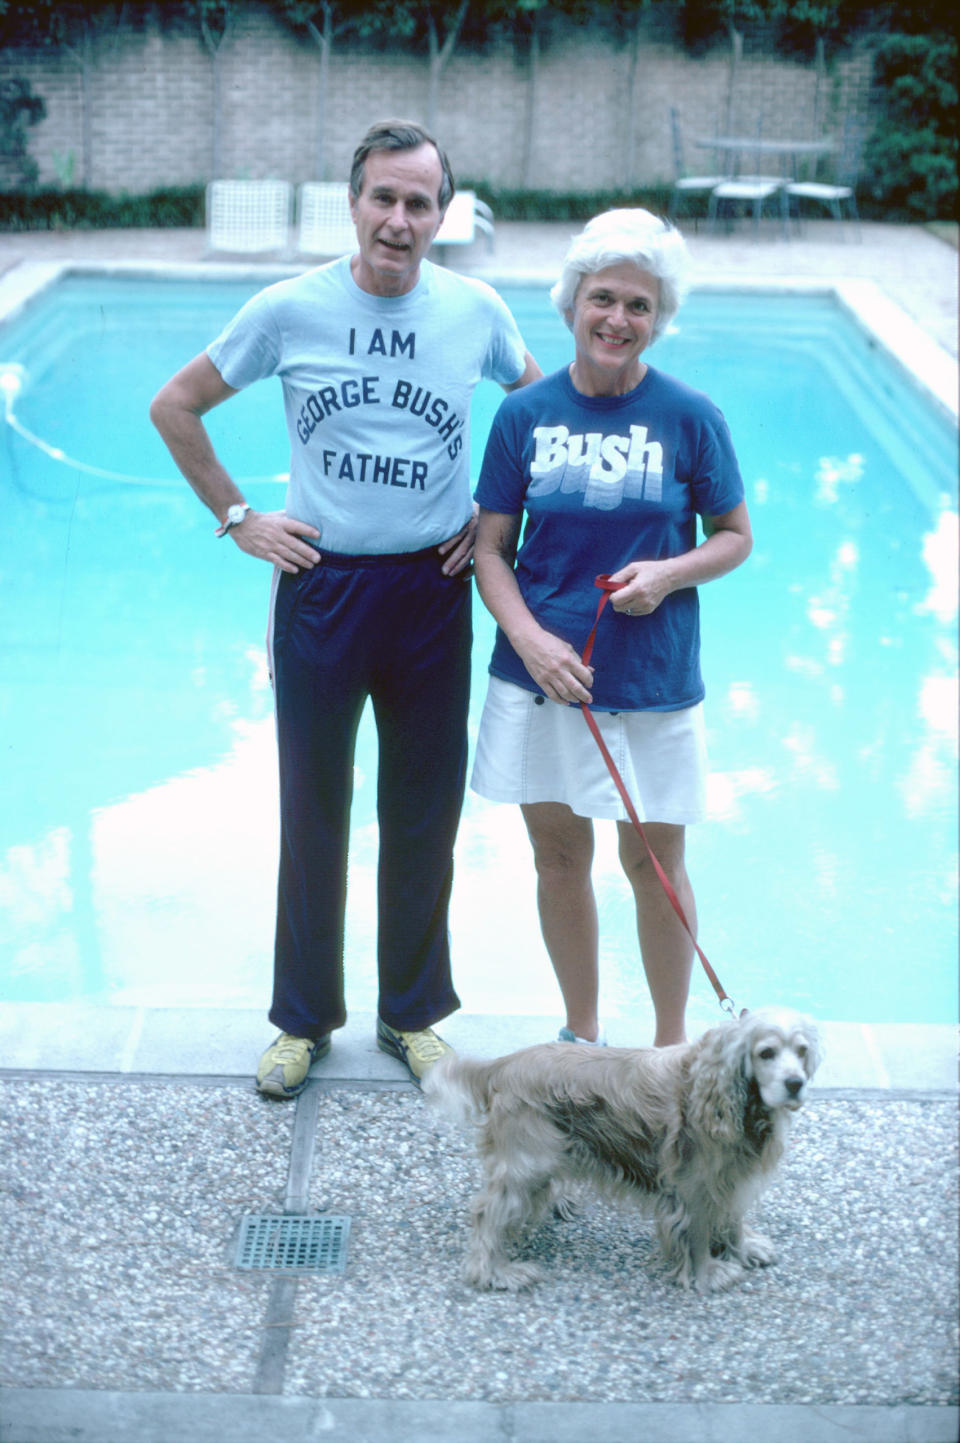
{"x":607,"y":588}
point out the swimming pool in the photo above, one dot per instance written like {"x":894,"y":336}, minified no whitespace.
{"x":138,"y":830}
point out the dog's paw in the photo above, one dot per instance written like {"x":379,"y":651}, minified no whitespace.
{"x":718,"y":1275}
{"x":501,"y":1277}
{"x":757,"y":1251}
{"x":565,"y":1208}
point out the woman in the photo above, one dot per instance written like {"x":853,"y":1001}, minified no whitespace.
{"x":612,"y":461}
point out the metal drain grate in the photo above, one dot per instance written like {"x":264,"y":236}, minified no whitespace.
{"x":287,"y":1243}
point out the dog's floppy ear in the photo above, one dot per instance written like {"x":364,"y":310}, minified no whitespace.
{"x":718,"y":1084}
{"x":814,"y":1048}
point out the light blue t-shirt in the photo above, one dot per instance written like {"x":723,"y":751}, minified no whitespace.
{"x":605,"y":480}
{"x":377,"y":397}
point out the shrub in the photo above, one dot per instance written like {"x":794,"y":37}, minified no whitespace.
{"x":96,"y":210}
{"x":184,"y":206}
{"x":548,"y":205}
{"x":19,"y":109}
{"x":910,"y":161}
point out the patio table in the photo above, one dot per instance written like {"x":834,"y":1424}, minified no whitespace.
{"x":735,"y":145}
{"x":753,"y":188}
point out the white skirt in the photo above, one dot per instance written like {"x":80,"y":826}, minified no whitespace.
{"x":530,"y":749}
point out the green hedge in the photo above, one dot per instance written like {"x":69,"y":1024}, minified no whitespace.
{"x":556,"y":206}
{"x":96,"y":210}
{"x":184,"y":207}
{"x":565,"y":205}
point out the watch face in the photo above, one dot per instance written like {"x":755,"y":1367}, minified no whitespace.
{"x":236,"y":514}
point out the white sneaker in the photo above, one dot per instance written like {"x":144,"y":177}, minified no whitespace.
{"x":565,"y":1035}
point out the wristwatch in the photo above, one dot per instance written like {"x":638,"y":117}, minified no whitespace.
{"x":235,"y":515}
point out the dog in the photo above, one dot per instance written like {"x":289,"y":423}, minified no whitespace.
{"x":691,"y":1133}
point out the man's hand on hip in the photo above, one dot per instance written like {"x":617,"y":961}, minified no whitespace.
{"x":275,"y":537}
{"x":457,"y":553}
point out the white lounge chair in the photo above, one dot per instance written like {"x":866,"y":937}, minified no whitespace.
{"x":249,"y":216}
{"x":324,"y":224}
{"x":466,"y":214}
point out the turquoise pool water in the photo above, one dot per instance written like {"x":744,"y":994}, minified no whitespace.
{"x":138,"y":826}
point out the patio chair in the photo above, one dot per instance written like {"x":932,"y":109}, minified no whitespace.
{"x":759,"y":153}
{"x":844,"y":189}
{"x":324,"y":223}
{"x":749,"y":187}
{"x":753,"y":191}
{"x":249,"y":216}
{"x":466,"y":214}
{"x":683,"y":184}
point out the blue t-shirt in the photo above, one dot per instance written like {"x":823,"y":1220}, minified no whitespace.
{"x":605,"y":480}
{"x":377,"y":393}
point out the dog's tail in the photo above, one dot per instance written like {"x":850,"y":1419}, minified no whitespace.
{"x":459,"y":1087}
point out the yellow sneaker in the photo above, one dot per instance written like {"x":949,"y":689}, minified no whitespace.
{"x":418,"y":1051}
{"x":285,"y":1065}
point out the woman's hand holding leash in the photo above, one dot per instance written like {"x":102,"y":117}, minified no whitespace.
{"x":556,"y":667}
{"x":640,"y":587}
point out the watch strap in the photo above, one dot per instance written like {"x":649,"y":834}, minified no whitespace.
{"x":232,"y":518}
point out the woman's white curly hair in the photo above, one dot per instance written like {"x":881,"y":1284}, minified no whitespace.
{"x":634,"y":236}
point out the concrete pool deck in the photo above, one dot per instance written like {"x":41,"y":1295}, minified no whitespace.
{"x":134,"y":1143}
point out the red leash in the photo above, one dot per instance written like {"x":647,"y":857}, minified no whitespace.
{"x":726,"y":1002}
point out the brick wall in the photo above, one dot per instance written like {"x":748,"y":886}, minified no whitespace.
{"x":151,"y":113}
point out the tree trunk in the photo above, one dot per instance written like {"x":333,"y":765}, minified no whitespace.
{"x":736,"y":55}
{"x":324,"y":39}
{"x":818,"y":94}
{"x":213,"y":44}
{"x":82,"y":58}
{"x":439,"y":55}
{"x":86,"y":71}
{"x":630,"y":138}
{"x":529,"y":120}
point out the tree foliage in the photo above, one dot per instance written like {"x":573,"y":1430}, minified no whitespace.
{"x":911,"y":157}
{"x":19,"y":109}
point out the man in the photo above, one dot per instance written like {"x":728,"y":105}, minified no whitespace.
{"x":378,"y":354}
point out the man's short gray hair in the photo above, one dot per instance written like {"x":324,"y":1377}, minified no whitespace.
{"x":634,"y":236}
{"x":399,"y":135}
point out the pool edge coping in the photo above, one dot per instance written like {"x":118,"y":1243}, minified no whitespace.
{"x":140,"y":1042}
{"x":44,"y":1415}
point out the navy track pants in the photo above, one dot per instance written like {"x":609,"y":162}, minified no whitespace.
{"x":396,"y":630}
